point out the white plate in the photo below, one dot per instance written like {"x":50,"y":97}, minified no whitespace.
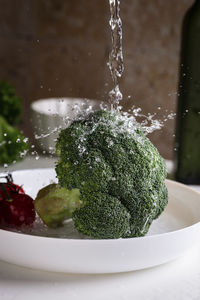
{"x":170,"y":236}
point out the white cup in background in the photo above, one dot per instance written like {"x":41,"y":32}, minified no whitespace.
{"x":50,"y":115}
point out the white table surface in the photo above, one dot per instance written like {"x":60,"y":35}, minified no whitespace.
{"x":177,"y":280}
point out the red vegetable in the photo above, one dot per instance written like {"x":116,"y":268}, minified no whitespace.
{"x":1,"y":217}
{"x":12,"y":186}
{"x":16,"y":208}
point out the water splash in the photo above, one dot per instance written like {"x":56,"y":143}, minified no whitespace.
{"x":151,"y":122}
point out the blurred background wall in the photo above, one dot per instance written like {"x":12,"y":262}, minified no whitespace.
{"x":60,"y":48}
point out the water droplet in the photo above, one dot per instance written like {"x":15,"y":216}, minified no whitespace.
{"x":98,"y":159}
{"x":25,"y":140}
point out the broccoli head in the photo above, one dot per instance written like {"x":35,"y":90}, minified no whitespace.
{"x":118,"y":171}
{"x":13,"y":145}
{"x":10,"y":103}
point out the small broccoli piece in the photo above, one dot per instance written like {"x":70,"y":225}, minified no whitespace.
{"x":118,"y":171}
{"x":12,"y":144}
{"x":10,"y":103}
{"x":55,"y":204}
{"x":102,"y":216}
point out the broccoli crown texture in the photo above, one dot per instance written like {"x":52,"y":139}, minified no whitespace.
{"x":120,"y":175}
{"x":10,"y":103}
{"x":12,"y":143}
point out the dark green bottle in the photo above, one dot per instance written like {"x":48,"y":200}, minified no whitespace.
{"x":188,"y":116}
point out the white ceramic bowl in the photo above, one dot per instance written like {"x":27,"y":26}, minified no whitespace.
{"x":170,"y":236}
{"x":52,"y":114}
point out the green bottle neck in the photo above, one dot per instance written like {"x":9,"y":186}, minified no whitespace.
{"x":197,"y":4}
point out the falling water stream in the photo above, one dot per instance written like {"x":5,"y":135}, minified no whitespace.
{"x":115,"y":63}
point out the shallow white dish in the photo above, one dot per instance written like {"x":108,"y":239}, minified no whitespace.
{"x":170,"y":236}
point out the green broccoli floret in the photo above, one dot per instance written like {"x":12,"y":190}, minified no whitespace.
{"x":120,"y":175}
{"x":103,"y":216}
{"x":10,"y":103}
{"x":13,"y":145}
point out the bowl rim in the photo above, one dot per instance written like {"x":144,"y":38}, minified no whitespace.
{"x":36,"y":104}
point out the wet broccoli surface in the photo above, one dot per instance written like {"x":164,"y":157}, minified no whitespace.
{"x":118,"y":171}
